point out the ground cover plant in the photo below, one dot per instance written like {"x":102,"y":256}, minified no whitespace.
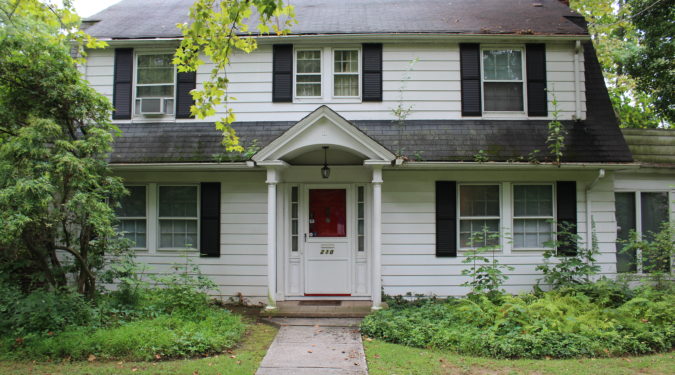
{"x":598,"y":320}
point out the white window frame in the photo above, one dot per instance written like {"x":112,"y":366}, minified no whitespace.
{"x":637,"y":195}
{"x":197,"y":219}
{"x":134,"y":85}
{"x":523,"y":81}
{"x":514,"y":217}
{"x":146,"y":217}
{"x":320,"y":74}
{"x":460,"y":217}
{"x":358,"y":72}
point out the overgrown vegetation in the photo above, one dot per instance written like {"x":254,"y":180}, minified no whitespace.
{"x":170,"y":318}
{"x":578,"y":318}
{"x":590,"y":320}
{"x":656,"y":251}
{"x":485,"y":272}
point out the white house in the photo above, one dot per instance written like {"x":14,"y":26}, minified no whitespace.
{"x":402,"y":196}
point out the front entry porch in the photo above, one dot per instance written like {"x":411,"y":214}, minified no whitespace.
{"x":324,"y":180}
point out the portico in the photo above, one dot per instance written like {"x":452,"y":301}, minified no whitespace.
{"x":324,"y":233}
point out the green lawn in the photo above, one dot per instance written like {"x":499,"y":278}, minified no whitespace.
{"x":243,"y":360}
{"x":392,"y":359}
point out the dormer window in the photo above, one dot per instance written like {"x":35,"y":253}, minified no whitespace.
{"x":503,"y":80}
{"x":155,"y":83}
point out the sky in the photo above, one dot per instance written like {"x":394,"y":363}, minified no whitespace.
{"x":86,"y":8}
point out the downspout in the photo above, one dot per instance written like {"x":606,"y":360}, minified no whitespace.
{"x":577,"y":82}
{"x":589,"y":216}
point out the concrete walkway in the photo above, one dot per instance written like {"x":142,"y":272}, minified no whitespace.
{"x":315,"y":346}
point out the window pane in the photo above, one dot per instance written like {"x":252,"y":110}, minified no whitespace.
{"x":309,"y":61}
{"x":132,"y":205}
{"x":346,"y":85}
{"x":625,"y":221}
{"x":478,"y":233}
{"x":134,"y":230}
{"x":502,"y":65}
{"x":178,"y":234}
{"x":479,"y":200}
{"x":155,"y":69}
{"x":308,"y":89}
{"x":154,"y":91}
{"x":178,"y":201}
{"x":346,"y":61}
{"x":503,"y":96}
{"x":532,"y":233}
{"x":654,"y":213}
{"x":533,"y":200}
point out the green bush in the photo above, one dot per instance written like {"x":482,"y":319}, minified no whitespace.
{"x":41,"y":311}
{"x":591,"y":321}
{"x":167,"y":336}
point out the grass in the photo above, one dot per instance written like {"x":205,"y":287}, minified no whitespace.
{"x":243,"y":360}
{"x":392,"y":359}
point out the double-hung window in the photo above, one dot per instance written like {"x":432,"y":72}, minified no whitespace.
{"x":644,"y":213}
{"x":346,"y":69}
{"x":532,"y":216}
{"x":503,"y":84}
{"x":479,"y":216}
{"x":308,"y":73}
{"x":178,"y":217}
{"x":132,"y":215}
{"x":155,"y":83}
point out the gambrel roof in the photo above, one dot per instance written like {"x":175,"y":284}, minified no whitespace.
{"x":597,"y":139}
{"x":137,"y":19}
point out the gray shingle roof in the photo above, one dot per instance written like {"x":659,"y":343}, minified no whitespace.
{"x":158,"y":18}
{"x":652,"y":146}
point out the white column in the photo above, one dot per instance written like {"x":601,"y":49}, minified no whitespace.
{"x":377,"y":237}
{"x":272,"y":180}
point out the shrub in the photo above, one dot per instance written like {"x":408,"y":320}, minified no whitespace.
{"x":167,"y":336}
{"x":41,"y":311}
{"x":596,"y":320}
{"x":574,"y":263}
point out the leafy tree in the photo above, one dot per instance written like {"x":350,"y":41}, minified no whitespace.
{"x":653,"y":62}
{"x":216,"y":30}
{"x":55,"y":132}
{"x":617,"y":38}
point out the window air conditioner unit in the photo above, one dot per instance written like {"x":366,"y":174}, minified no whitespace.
{"x":155,"y":106}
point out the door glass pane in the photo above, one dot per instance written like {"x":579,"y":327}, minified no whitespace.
{"x":625,"y":221}
{"x":327,"y":213}
{"x":654,"y":214}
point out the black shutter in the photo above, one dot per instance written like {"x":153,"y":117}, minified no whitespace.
{"x":282,"y":73}
{"x":566,"y":200}
{"x":372,"y":72}
{"x":537,"y":104}
{"x":446,"y":219}
{"x":185,"y":82}
{"x":469,"y":61}
{"x":122,"y":83}
{"x":209,"y":231}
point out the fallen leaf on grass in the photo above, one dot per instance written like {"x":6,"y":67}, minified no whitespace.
{"x":91,"y":358}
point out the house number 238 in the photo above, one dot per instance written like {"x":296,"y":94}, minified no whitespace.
{"x":327,"y":251}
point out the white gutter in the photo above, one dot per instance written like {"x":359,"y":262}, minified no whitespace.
{"x":367,"y":37}
{"x":589,"y":207}
{"x":514,"y":166}
{"x":124,"y":167}
{"x":577,"y":81}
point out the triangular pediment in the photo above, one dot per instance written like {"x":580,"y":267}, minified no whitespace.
{"x":323,"y":127}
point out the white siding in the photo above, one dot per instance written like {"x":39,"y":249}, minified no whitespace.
{"x":242,"y":265}
{"x":409,"y":263}
{"x":433,"y":89}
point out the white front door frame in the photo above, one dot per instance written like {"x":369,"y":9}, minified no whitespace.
{"x":295,"y":263}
